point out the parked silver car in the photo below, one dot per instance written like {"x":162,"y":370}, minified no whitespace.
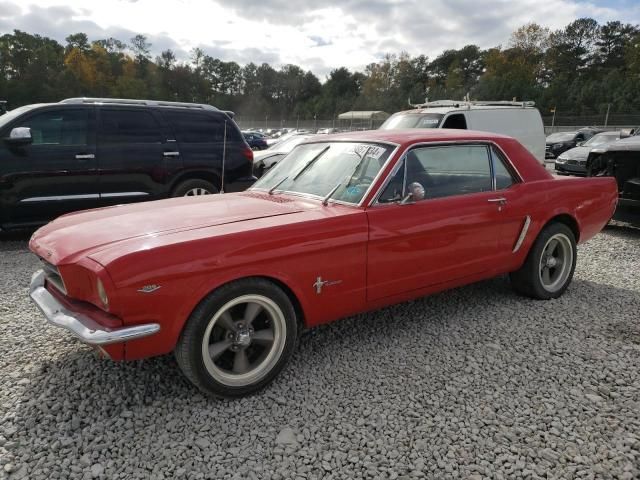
{"x":574,"y":161}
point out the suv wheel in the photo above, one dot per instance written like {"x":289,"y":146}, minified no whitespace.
{"x":192,"y":188}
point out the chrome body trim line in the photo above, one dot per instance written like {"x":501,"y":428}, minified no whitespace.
{"x":170,"y":154}
{"x":78,"y":324}
{"x":523,"y":234}
{"x":61,"y":197}
{"x":123,"y":194}
{"x":87,"y":156}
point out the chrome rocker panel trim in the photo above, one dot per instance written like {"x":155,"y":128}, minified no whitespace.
{"x":78,"y":324}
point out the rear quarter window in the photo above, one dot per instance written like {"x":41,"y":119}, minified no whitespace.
{"x":197,"y":127}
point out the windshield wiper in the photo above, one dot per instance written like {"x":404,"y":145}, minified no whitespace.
{"x":273,"y":189}
{"x":325,"y":200}
{"x":311,"y":162}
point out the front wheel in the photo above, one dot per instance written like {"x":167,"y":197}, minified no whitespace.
{"x":549,"y":267}
{"x":238,"y":339}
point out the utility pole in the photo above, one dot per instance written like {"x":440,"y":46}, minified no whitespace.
{"x":298,"y":122}
{"x":553,"y":119}
{"x":606,"y":118}
{"x":266,"y":118}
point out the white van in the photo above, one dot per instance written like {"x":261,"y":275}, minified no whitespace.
{"x":520,"y":120}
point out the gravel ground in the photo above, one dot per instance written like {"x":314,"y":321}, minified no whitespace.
{"x":472,"y":383}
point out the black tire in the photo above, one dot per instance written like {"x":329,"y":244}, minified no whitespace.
{"x":529,"y":280}
{"x":216,"y":375}
{"x":184,"y":188}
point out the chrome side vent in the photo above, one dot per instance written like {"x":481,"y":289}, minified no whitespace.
{"x":53,"y":276}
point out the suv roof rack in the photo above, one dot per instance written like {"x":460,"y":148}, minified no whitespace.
{"x":470,"y":103}
{"x":128,"y":101}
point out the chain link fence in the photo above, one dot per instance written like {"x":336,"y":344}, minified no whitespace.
{"x":561,"y":123}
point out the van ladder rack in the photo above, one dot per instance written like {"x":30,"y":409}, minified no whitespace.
{"x":470,"y":103}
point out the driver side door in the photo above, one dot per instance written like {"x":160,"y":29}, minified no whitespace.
{"x":450,"y":234}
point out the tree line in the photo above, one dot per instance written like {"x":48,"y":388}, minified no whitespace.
{"x":580,"y":69}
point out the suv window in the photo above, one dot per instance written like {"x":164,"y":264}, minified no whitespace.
{"x":193,"y":127}
{"x":129,"y":126}
{"x":442,"y":172}
{"x":58,"y":127}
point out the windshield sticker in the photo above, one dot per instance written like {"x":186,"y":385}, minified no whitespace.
{"x":372,"y":151}
{"x":429,"y":121}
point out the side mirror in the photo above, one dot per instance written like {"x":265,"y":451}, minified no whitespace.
{"x":20,"y":136}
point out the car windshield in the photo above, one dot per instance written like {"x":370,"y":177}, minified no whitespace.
{"x":343,"y":171}
{"x":601,"y":139}
{"x":286,"y":145}
{"x":412,"y":120}
{"x":561,"y":137}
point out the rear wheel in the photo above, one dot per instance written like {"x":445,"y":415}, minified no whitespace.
{"x":549,"y":267}
{"x":193,"y":188}
{"x":238,"y":339}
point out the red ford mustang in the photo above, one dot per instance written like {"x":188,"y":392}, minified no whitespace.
{"x":344,"y":224}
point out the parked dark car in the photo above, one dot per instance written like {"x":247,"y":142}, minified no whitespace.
{"x":560,"y":142}
{"x":621,"y":160}
{"x":574,"y":160}
{"x":256,"y":141}
{"x":86,"y":153}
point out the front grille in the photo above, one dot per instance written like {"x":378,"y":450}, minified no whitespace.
{"x":53,"y":276}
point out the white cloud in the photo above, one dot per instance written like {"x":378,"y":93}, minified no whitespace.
{"x":315,"y":35}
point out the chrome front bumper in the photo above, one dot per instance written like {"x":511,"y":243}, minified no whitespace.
{"x":79,"y":324}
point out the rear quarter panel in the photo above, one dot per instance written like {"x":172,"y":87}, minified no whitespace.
{"x":591,"y":202}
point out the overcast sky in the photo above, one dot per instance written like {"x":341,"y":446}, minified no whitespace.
{"x":316,"y":34}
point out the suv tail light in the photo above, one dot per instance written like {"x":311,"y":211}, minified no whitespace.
{"x":248,"y":154}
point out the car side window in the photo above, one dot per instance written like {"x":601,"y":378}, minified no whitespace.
{"x":58,"y":127}
{"x":129,"y":126}
{"x":196,"y":127}
{"x":504,"y":177}
{"x":437,"y":172}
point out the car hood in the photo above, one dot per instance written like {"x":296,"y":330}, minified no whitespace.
{"x":577,"y":153}
{"x":90,"y":231}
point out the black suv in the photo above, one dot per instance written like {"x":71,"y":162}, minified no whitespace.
{"x":85,"y":153}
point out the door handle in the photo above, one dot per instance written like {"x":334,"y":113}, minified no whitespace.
{"x":171,"y":154}
{"x":499,"y":200}
{"x":85,"y":156}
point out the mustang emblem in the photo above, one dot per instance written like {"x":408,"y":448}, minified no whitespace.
{"x":149,"y":288}
{"x":324,"y":283}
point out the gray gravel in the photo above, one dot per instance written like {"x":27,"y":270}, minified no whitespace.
{"x":472,"y":383}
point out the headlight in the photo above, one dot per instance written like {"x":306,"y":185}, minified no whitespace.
{"x":561,"y":159}
{"x":102,"y":293}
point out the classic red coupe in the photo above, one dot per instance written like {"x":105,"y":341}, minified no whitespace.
{"x":342,"y":225}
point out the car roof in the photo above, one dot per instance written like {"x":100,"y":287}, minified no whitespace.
{"x":625,"y":144}
{"x":410,"y":136}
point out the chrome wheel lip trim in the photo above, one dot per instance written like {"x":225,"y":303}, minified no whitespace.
{"x":565,"y":246}
{"x":259,"y":371}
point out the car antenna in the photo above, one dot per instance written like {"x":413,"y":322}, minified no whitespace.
{"x":224,"y":156}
